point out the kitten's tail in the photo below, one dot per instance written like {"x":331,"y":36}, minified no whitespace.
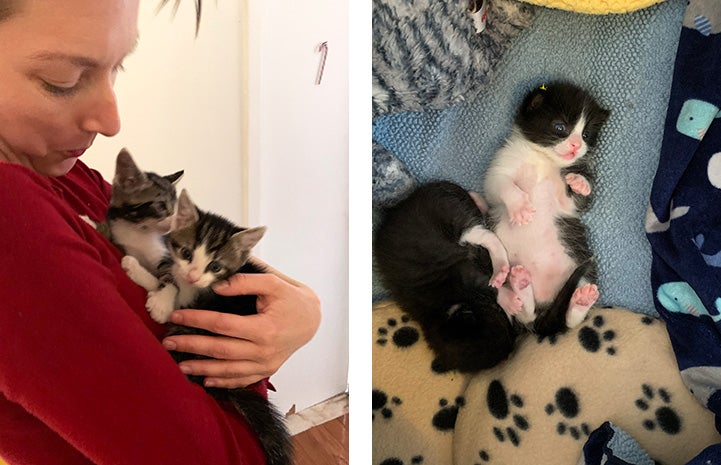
{"x":553,"y":319}
{"x":268,"y":424}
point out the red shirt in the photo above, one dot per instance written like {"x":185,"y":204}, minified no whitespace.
{"x":83,"y":376}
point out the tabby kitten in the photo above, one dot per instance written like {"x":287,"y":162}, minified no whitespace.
{"x":204,"y":249}
{"x":141,"y":209}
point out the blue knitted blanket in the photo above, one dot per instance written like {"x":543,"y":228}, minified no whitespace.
{"x":626,"y":61}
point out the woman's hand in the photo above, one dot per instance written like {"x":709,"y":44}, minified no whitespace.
{"x":251,"y":347}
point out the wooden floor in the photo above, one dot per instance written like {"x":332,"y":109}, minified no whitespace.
{"x":325,"y":444}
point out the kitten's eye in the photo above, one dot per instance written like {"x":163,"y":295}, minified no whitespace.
{"x":585,"y":134}
{"x":186,"y":254}
{"x":215,"y":267}
{"x":560,"y":128}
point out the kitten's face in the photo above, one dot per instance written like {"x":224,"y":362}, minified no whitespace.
{"x":207,"y":248}
{"x":143,"y":198}
{"x":563,"y":119}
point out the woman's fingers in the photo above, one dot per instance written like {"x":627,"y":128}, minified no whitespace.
{"x":217,"y":347}
{"x":225,"y":373}
{"x":244,"y":327}
{"x":260,"y":284}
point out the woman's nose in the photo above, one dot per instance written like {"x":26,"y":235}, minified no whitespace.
{"x":101,"y":115}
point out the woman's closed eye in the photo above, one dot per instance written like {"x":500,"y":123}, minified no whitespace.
{"x":57,"y":89}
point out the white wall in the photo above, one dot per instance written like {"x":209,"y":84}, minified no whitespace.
{"x":298,"y":152}
{"x":276,"y":155}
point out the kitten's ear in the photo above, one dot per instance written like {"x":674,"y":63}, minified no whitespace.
{"x":248,"y":238}
{"x":535,"y":100}
{"x":127,"y":173}
{"x":187,"y":214}
{"x":175,"y":177}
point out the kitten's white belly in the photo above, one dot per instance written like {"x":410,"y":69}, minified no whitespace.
{"x":536,"y":245}
{"x":147,"y":246}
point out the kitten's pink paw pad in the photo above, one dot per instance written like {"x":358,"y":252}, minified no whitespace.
{"x":499,"y":278}
{"x":510,"y":302}
{"x":519,"y":278}
{"x":585,"y":296}
{"x":523,"y":215}
{"x":578,"y":184}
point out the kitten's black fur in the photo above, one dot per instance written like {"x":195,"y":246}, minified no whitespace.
{"x":215,"y":232}
{"x":442,"y":284}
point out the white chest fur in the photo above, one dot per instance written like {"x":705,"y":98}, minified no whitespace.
{"x":145,"y":245}
{"x":520,"y":171}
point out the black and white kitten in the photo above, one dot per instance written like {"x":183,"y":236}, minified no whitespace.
{"x":204,"y":249}
{"x":142,"y":205}
{"x":442,"y":265}
{"x":536,"y":186}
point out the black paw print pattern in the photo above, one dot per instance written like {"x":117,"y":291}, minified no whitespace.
{"x":403,"y":336}
{"x":552,"y":339}
{"x":484,"y":456}
{"x":501,"y":406}
{"x":647,"y":320}
{"x":445,"y":418}
{"x":594,"y":338}
{"x":657,"y":403}
{"x":415,"y":460}
{"x":383,"y":405}
{"x":567,"y":404}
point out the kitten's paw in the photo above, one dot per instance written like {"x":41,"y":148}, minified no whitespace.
{"x":578,"y":184}
{"x":519,"y":278}
{"x":161,"y":303}
{"x":581,"y":301}
{"x":499,"y":277}
{"x":510,"y":302}
{"x":130,"y":265}
{"x":138,"y":274}
{"x":522,"y":215}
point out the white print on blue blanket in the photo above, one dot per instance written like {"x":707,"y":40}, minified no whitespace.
{"x":679,"y":297}
{"x":704,"y":16}
{"x":696,"y":117}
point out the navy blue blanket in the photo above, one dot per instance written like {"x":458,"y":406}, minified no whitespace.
{"x":684,"y":219}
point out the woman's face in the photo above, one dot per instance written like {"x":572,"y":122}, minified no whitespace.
{"x":58,"y":63}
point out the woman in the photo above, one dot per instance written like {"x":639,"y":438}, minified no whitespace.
{"x":84,"y":378}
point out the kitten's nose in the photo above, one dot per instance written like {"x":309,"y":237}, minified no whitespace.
{"x":575,"y":142}
{"x":193,"y":277}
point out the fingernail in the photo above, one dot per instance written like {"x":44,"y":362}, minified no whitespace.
{"x":170,"y":345}
{"x":176,"y":318}
{"x":210,"y":383}
{"x":186,"y":369}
